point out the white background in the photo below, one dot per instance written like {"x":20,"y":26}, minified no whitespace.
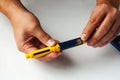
{"x":63,"y":20}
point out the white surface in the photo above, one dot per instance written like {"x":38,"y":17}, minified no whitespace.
{"x":64,"y":20}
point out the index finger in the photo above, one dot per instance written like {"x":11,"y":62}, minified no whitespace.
{"x":94,"y":21}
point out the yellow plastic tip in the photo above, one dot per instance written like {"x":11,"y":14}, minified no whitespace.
{"x":27,"y":56}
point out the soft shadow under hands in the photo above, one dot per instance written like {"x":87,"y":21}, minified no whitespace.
{"x":62,"y":61}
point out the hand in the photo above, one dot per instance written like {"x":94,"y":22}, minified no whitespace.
{"x":103,"y":26}
{"x":28,"y":33}
{"x":30,"y":36}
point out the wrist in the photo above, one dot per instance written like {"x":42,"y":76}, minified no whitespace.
{"x":114,"y":3}
{"x":12,"y":8}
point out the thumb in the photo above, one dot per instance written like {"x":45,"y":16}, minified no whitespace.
{"x":44,"y":38}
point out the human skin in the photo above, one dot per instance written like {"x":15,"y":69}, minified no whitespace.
{"x":28,"y":32}
{"x":104,"y":23}
{"x":30,"y":36}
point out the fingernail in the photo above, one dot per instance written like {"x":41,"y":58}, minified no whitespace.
{"x":83,"y":36}
{"x":50,"y":42}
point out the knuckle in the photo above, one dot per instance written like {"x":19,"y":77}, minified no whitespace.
{"x":111,"y":32}
{"x":43,"y":36}
{"x":105,"y":6}
{"x":102,"y":42}
{"x":93,"y":21}
{"x":94,"y":39}
{"x":105,"y":42}
{"x":111,"y":35}
{"x":113,"y":13}
{"x":33,"y":26}
{"x":19,"y":46}
{"x":104,"y":29}
{"x":115,"y":10}
{"x":23,"y":46}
